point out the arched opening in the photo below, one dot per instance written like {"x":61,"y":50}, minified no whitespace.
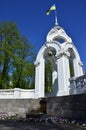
{"x":71,"y":62}
{"x":71,"y":68}
{"x":50,"y":72}
{"x":60,"y":39}
{"x":48,"y":77}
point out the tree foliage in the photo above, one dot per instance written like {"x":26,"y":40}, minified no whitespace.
{"x":16,"y":58}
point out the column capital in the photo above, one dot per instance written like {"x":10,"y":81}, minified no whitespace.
{"x":36,"y":63}
{"x":63,"y":53}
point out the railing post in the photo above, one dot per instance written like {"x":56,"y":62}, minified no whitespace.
{"x":72,"y":85}
{"x":16,"y":92}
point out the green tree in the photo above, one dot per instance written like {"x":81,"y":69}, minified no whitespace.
{"x":16,"y":58}
{"x":23,"y":76}
{"x":9,"y":41}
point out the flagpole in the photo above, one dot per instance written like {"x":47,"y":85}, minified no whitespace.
{"x":56,"y":21}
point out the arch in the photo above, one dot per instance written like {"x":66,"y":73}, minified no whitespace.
{"x":48,"y":50}
{"x":71,"y":46}
{"x":53,"y":44}
{"x":75,"y":58}
{"x":59,"y":33}
{"x":59,"y":39}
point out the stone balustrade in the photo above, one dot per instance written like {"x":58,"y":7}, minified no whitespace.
{"x":78,"y":85}
{"x":16,"y":93}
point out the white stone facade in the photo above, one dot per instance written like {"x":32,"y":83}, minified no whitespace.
{"x":60,"y":50}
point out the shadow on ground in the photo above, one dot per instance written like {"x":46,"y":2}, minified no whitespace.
{"x":19,"y":125}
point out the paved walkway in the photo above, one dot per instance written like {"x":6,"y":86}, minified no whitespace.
{"x":15,"y":125}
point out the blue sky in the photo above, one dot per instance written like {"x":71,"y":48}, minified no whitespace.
{"x":32,"y":21}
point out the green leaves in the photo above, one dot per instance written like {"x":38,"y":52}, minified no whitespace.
{"x":16,"y":58}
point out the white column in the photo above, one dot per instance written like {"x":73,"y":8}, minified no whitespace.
{"x":63,"y":76}
{"x":39,"y":78}
{"x":78,"y":71}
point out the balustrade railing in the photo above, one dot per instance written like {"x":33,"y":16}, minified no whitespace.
{"x":17,"y":93}
{"x":78,"y":84}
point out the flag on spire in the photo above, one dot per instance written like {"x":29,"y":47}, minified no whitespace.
{"x":53,"y":7}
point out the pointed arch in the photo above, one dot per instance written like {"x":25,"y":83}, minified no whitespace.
{"x":74,"y":60}
{"x":48,"y":50}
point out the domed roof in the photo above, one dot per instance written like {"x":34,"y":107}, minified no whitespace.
{"x":57,"y":32}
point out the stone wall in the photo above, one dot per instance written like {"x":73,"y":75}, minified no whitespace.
{"x":72,"y":107}
{"x":22,"y":107}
